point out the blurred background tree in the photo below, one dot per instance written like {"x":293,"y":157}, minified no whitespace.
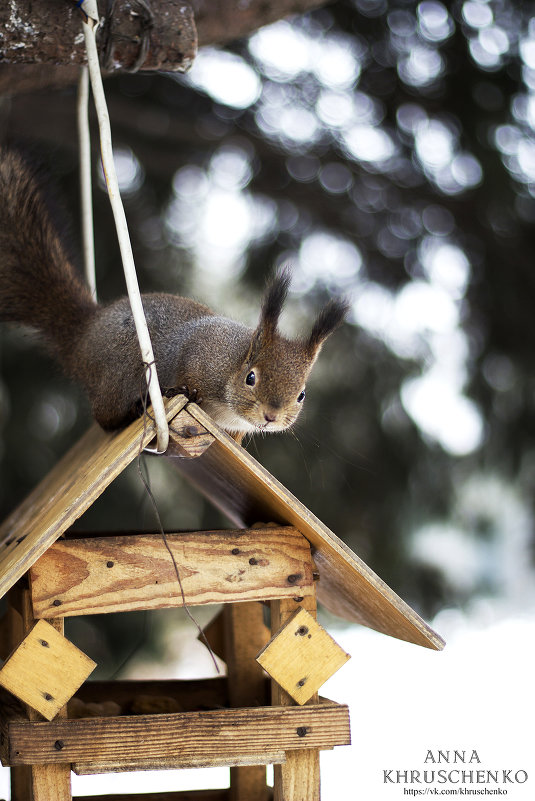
{"x":387,"y":151}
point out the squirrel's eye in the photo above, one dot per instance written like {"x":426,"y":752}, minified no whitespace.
{"x":301,"y":397}
{"x":251,"y":379}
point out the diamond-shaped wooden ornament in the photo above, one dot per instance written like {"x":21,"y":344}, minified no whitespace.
{"x":45,"y":670}
{"x":301,"y":656}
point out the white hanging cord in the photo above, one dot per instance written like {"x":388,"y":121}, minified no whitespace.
{"x":89,"y":27}
{"x":88,"y":241}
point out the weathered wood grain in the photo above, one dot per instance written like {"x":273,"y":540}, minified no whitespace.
{"x":299,"y":777}
{"x":245,"y":633}
{"x":237,"y":762}
{"x":187,"y":438}
{"x":222,"y":734}
{"x":32,"y":782}
{"x":51,"y":781}
{"x":93,"y":575}
{"x":301,"y":656}
{"x":67,"y":491}
{"x":246,"y":493}
{"x":45,"y":670}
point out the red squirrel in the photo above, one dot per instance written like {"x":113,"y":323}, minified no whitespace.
{"x":247,"y":379}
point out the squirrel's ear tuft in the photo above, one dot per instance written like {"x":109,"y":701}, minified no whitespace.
{"x":273,"y":302}
{"x":329,"y":318}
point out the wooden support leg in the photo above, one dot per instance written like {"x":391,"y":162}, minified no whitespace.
{"x":39,"y":782}
{"x":245,"y":635}
{"x":298,"y":779}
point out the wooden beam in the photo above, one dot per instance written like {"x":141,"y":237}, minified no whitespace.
{"x":185,"y":795}
{"x":92,"y":575}
{"x":245,"y":633}
{"x":246,"y":492}
{"x":221,"y":734}
{"x":33,"y":782}
{"x":67,"y":491}
{"x":299,"y":777}
{"x":225,"y":760}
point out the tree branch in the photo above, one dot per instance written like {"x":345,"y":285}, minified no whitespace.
{"x":38,"y":31}
{"x":41,"y":32}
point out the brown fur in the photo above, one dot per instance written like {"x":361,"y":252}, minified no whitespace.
{"x":193,"y":347}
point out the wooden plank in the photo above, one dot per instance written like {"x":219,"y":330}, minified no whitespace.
{"x":241,"y":762}
{"x":92,"y":575}
{"x":299,"y":777}
{"x":20,"y":623}
{"x":235,"y":482}
{"x":185,"y":795}
{"x":45,"y":670}
{"x":245,"y":631}
{"x":301,"y":656}
{"x":226,"y":733}
{"x":187,"y":439}
{"x":36,"y":782}
{"x":51,"y":781}
{"x":11,"y":709}
{"x":67,"y":491}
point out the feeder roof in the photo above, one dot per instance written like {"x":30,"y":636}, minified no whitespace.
{"x":237,"y":484}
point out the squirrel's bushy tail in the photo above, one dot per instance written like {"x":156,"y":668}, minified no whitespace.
{"x":38,"y":283}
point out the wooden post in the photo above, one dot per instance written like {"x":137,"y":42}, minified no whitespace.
{"x":298,"y":779}
{"x":245,"y":635}
{"x":38,"y":782}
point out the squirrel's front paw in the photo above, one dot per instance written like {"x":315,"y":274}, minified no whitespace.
{"x":191,"y":394}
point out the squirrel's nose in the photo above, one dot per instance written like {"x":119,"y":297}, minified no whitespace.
{"x":270,"y":417}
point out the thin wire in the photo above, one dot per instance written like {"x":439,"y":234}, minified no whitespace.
{"x":125,"y":245}
{"x":163,"y":535}
{"x":84,"y":138}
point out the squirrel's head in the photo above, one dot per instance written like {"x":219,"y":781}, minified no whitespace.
{"x":271,"y":382}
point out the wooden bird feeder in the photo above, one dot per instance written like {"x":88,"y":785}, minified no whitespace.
{"x":55,"y":721}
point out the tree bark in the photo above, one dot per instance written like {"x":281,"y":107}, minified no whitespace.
{"x":41,"y":32}
{"x":38,"y":31}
